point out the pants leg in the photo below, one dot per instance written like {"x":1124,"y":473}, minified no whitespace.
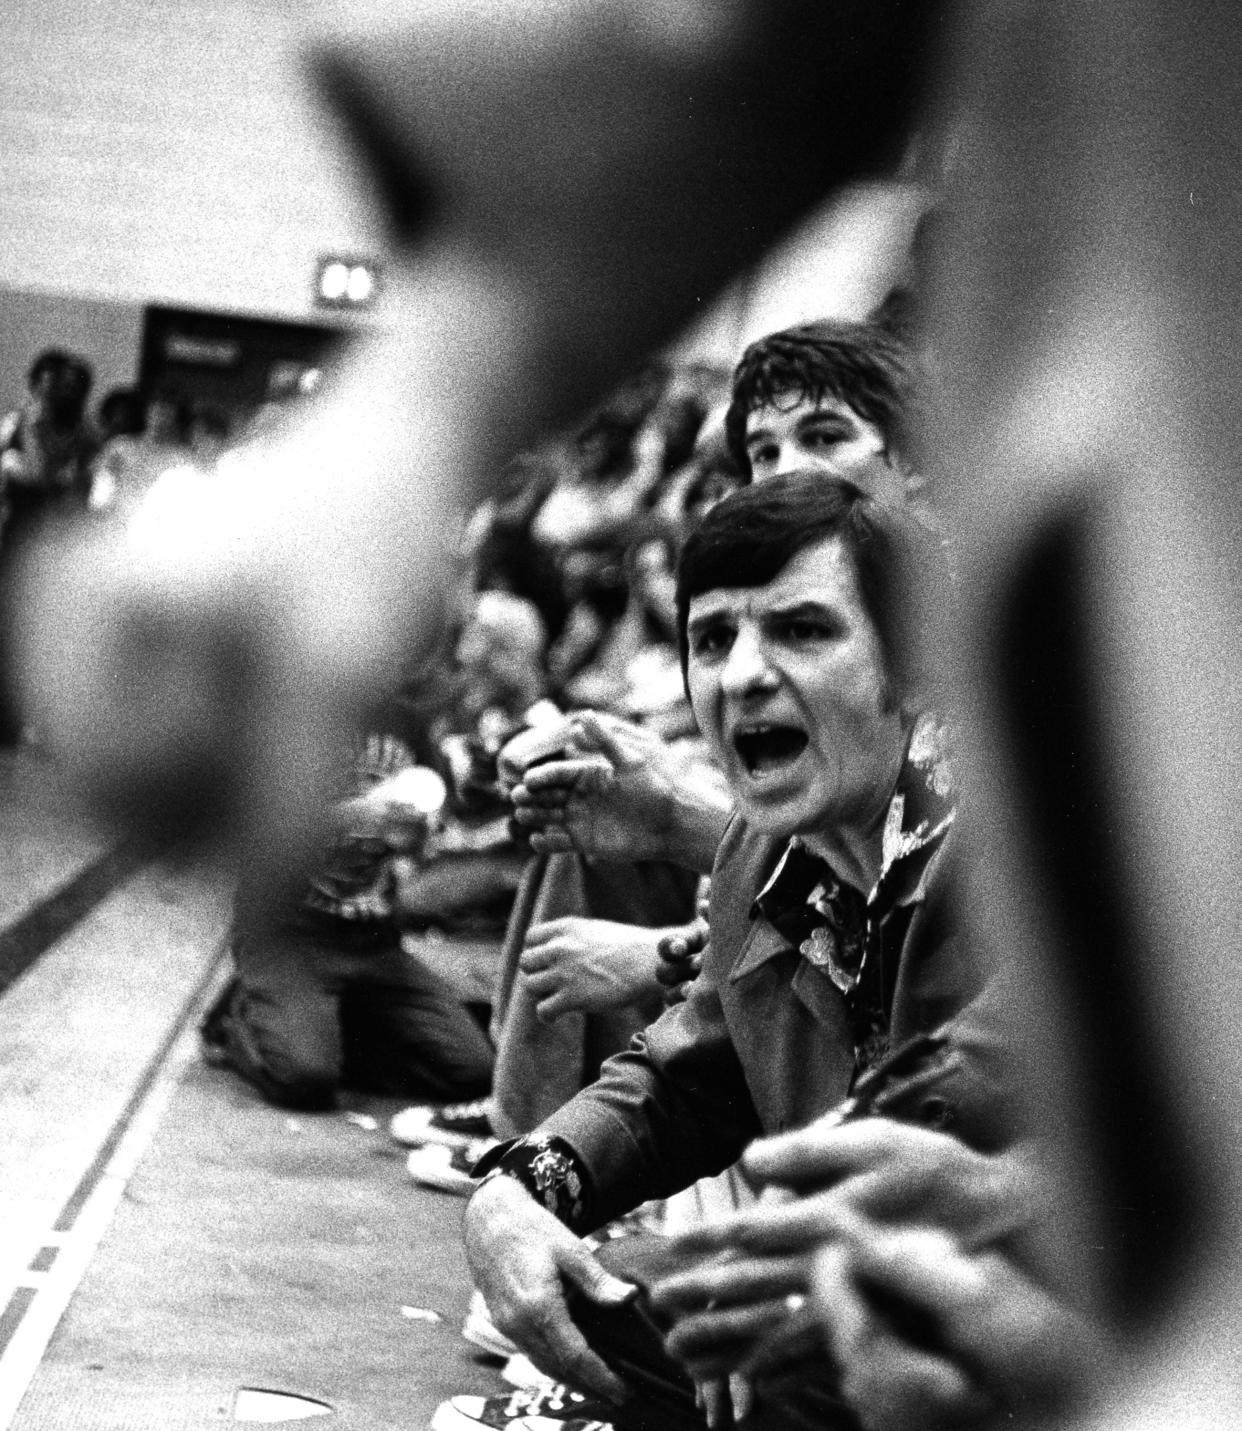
{"x":408,"y":1034}
{"x":318,"y":1004}
{"x":279,"y":1024}
{"x":539,"y":1066}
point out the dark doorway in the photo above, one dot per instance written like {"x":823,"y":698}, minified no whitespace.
{"x":231,"y":364}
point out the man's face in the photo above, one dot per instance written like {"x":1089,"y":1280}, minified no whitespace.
{"x":789,"y":688}
{"x":793,"y":434}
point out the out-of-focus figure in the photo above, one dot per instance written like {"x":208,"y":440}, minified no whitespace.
{"x":46,"y":449}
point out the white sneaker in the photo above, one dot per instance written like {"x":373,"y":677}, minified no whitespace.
{"x":553,"y":1406}
{"x":521,"y":1372}
{"x":447,"y":1169}
{"x":452,"y":1125}
{"x":550,"y":1423}
{"x":480,"y":1331}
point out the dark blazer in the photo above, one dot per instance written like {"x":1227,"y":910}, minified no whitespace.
{"x":762,"y":1043}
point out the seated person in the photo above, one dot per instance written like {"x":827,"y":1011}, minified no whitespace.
{"x":833,"y":926}
{"x":828,"y":397}
{"x":710,"y":474}
{"x":46,"y":448}
{"x":464,"y":880}
{"x":120,"y":421}
{"x":131,"y":466}
{"x":833,"y":396}
{"x":636,"y":673}
{"x":583,"y":949}
{"x":323,"y":995}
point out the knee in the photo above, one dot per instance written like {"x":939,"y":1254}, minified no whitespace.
{"x":292,"y":1073}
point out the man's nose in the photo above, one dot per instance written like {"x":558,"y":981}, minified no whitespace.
{"x":788,"y":459}
{"x":747,"y":669}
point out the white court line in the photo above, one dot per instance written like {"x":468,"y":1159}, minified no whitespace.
{"x":54,"y":1288}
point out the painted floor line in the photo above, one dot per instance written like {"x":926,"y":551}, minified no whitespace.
{"x":195,"y":1007}
{"x":25,"y":941}
{"x":33,"y":1313}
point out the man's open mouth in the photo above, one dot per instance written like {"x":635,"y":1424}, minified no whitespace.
{"x":765,"y":749}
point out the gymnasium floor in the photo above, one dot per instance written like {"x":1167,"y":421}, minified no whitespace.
{"x":169,"y":1243}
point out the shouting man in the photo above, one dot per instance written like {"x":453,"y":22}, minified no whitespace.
{"x":832,"y":933}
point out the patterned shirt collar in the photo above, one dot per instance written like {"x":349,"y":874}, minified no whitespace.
{"x":826,"y":919}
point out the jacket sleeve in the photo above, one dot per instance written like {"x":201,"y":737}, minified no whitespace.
{"x":966,"y":991}
{"x":674,"y":1107}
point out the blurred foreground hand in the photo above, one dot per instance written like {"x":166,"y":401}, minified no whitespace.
{"x":565,"y":183}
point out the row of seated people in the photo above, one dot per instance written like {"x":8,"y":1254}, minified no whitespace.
{"x":54,"y":455}
{"x":58,"y":465}
{"x":566,"y":596}
{"x":839,"y":1043}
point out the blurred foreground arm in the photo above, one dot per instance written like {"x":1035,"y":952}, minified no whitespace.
{"x":929,"y":1335}
{"x":905,"y":1242}
{"x":552,"y":174}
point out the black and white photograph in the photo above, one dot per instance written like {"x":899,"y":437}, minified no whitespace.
{"x":620,"y":715}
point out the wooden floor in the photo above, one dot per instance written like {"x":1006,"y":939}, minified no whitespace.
{"x":166,"y":1239}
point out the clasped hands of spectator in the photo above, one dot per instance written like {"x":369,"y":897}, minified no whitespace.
{"x":891,"y":1248}
{"x":580,"y":965}
{"x":608,"y":789}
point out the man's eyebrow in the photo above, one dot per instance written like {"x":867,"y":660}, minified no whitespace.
{"x":705,"y":618}
{"x":758,"y":434}
{"x":839,"y":416}
{"x":805,"y":606}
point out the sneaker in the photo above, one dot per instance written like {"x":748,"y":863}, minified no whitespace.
{"x":521,"y":1372}
{"x":447,"y":1169}
{"x":550,"y":1423}
{"x":453,"y":1126}
{"x":480,"y":1331}
{"x":555,"y":1404}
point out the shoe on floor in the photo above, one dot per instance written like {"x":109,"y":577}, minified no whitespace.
{"x":549,"y":1423}
{"x":555,"y":1404}
{"x":480,"y":1331}
{"x":521,"y":1372}
{"x":447,"y":1169}
{"x":454,"y":1125}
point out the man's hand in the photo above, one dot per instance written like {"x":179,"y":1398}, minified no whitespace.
{"x":620,"y":792}
{"x":733,"y":1312}
{"x":578,"y":965}
{"x":889,"y":1171}
{"x":927,"y":1335}
{"x":681,"y":958}
{"x":521,"y":1259}
{"x":743,"y":1307}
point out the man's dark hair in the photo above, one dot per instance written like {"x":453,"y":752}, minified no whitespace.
{"x":50,"y":360}
{"x":751,"y":536}
{"x":863,"y":365}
